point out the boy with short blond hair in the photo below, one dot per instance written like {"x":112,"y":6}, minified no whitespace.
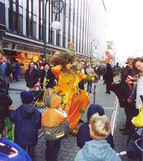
{"x":98,"y":149}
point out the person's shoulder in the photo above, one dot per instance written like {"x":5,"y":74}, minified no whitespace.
{"x":37,"y":111}
{"x":84,"y":127}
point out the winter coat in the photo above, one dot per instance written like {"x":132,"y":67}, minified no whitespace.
{"x":124,"y":88}
{"x":49,"y":76}
{"x":8,"y":69}
{"x":116,"y":70}
{"x":97,"y":150}
{"x":3,"y":83}
{"x":31,"y":79}
{"x":17,"y":68}
{"x":83,"y":133}
{"x":108,"y":75}
{"x":5,"y":100}
{"x":27,"y":121}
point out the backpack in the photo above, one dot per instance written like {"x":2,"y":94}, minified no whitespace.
{"x":56,"y":132}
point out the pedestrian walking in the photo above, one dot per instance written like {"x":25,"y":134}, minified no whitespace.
{"x":31,"y":76}
{"x":17,"y":71}
{"x":27,"y":121}
{"x":108,"y":77}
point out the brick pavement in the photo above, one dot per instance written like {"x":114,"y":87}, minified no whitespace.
{"x":69,"y":147}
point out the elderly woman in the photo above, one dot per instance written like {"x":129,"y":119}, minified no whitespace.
{"x":75,"y":100}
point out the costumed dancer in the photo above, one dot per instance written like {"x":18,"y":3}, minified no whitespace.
{"x":75,"y":100}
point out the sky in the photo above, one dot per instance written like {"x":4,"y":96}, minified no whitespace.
{"x":125,"y":27}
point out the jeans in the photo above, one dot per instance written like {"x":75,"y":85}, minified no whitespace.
{"x":89,"y":87}
{"x":52,"y":150}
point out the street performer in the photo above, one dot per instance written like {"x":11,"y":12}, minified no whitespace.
{"x":75,"y":100}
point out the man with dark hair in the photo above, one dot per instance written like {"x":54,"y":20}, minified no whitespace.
{"x":31,"y":76}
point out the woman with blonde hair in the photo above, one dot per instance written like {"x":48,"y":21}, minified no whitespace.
{"x":75,"y":100}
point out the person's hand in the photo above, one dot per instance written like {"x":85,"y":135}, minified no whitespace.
{"x":129,"y":100}
{"x":10,"y":107}
{"x":0,"y":136}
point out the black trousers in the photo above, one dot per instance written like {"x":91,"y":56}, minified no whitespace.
{"x":108,"y":87}
{"x":30,"y":150}
{"x":2,"y":125}
{"x":130,"y":112}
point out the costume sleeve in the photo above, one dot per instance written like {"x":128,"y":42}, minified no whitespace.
{"x":56,"y":70}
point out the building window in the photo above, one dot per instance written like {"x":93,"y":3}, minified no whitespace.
{"x":15,"y":16}
{"x":41,"y":22}
{"x":30,"y":20}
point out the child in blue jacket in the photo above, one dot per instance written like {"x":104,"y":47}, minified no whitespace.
{"x":83,"y":132}
{"x":98,"y":149}
{"x":27,"y":121}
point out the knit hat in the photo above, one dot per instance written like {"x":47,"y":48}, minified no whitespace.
{"x":27,"y":97}
{"x":54,"y":101}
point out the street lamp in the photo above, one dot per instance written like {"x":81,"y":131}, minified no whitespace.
{"x":57,"y":6}
{"x":96,"y":44}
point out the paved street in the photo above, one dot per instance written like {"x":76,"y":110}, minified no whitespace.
{"x":69,"y":147}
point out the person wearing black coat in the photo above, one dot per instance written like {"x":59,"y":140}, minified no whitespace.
{"x":31,"y":76}
{"x":47,"y":77}
{"x":108,"y":77}
{"x":5,"y":102}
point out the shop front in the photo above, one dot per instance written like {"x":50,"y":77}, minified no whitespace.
{"x":24,"y":54}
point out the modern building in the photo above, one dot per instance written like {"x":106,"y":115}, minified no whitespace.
{"x":22,"y":27}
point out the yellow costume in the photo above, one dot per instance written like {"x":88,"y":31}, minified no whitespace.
{"x":75,"y":100}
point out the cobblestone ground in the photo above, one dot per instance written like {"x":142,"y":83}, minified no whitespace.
{"x":69,"y":146}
